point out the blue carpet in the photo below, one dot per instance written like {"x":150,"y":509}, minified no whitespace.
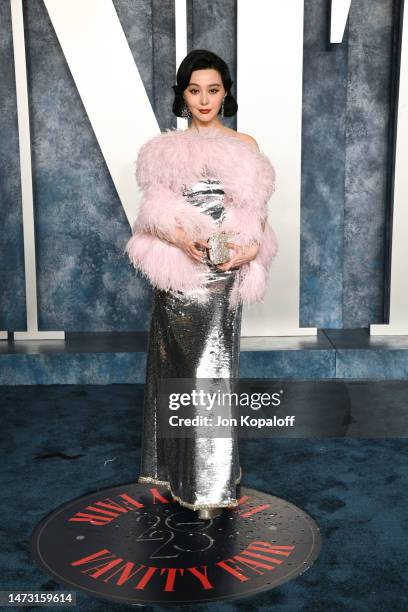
{"x":63,"y":441}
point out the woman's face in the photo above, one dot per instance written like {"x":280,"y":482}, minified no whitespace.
{"x":205,"y":91}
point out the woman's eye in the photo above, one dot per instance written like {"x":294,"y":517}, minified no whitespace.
{"x":192,"y":91}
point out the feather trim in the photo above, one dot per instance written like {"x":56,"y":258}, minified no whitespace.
{"x":175,"y":160}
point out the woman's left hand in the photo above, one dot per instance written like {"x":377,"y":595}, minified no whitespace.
{"x":242,"y":255}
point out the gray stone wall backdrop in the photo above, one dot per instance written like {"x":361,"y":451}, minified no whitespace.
{"x":84,"y":282}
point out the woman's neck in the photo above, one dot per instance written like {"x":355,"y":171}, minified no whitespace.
{"x":214,"y":125}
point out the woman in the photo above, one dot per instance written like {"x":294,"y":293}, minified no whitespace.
{"x":207,"y":181}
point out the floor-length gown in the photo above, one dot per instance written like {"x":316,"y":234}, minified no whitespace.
{"x":192,"y":339}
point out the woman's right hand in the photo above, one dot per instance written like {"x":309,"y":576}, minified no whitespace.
{"x":182,"y":240}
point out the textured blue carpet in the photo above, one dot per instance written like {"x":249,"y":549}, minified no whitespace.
{"x":63,"y":441}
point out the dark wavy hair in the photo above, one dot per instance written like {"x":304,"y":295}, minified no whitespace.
{"x":199,"y":59}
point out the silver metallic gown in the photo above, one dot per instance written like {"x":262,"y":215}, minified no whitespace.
{"x":190,"y":339}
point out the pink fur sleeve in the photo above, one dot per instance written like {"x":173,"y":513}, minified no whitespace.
{"x":161,"y":209}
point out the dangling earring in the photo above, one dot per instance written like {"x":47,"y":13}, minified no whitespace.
{"x":185,"y":112}
{"x":222,"y":106}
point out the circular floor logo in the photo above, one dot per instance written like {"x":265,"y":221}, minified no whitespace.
{"x":134,"y":544}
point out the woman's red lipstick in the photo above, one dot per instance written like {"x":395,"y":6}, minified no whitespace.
{"x":207,"y":110}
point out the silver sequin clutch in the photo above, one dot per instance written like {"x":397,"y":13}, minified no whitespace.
{"x":218,"y":252}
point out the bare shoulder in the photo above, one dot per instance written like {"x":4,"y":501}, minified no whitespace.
{"x":247,"y":138}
